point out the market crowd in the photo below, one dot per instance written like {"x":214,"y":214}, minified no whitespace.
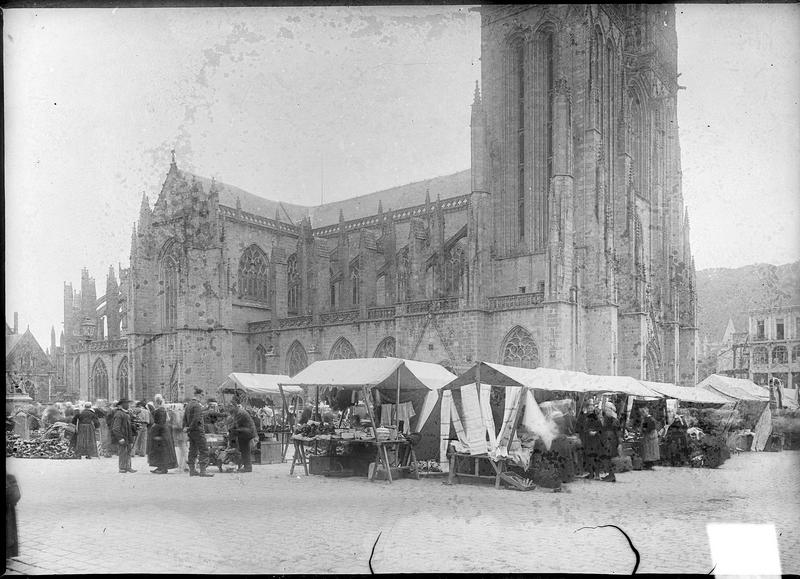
{"x":171,"y":436}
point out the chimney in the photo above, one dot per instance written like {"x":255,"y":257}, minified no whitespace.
{"x":16,"y":327}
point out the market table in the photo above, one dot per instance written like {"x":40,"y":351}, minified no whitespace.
{"x":381,"y":453}
{"x":459,"y":458}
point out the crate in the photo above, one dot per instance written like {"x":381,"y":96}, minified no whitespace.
{"x":320,"y":464}
{"x":271,"y":452}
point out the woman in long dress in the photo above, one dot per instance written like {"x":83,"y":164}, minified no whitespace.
{"x":610,"y":440}
{"x":161,"y":446}
{"x":650,"y":451}
{"x":87,"y":423}
{"x":178,"y":435}
{"x":145,"y":420}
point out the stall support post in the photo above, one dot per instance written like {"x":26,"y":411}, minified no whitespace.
{"x":397,"y":400}
{"x":285,"y":421}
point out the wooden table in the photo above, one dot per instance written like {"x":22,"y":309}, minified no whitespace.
{"x":381,"y":453}
{"x":460,"y":458}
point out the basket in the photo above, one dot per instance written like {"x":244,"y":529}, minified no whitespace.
{"x":382,"y":434}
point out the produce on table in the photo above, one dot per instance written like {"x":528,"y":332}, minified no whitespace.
{"x":38,"y":447}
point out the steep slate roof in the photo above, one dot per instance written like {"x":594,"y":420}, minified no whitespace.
{"x":251,"y":203}
{"x":395,"y":198}
{"x":11,"y":342}
{"x":400,"y":197}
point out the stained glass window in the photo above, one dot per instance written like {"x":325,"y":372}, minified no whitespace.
{"x":520,"y":350}
{"x":293,"y":280}
{"x":98,"y":384}
{"x":170,"y":280}
{"x":342,"y":350}
{"x":296,"y":358}
{"x":385,"y":349}
{"x":122,"y":378}
{"x":254,"y":274}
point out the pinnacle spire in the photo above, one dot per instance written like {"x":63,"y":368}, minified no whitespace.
{"x":380,"y":206}
{"x":476,"y":100}
{"x":341,"y":216}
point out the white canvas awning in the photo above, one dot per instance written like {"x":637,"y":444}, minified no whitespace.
{"x":734,"y":388}
{"x":372,"y":372}
{"x":550,"y":380}
{"x":686,"y":393}
{"x":258,"y":384}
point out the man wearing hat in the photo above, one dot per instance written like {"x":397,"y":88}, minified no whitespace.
{"x":123,"y":433}
{"x":195,"y":429}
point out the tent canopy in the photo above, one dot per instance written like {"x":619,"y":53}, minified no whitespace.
{"x":551,"y":380}
{"x":354,"y":373}
{"x":260,"y":385}
{"x":734,"y":388}
{"x":686,"y":393}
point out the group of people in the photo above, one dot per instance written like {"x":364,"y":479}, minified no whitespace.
{"x":153,"y":430}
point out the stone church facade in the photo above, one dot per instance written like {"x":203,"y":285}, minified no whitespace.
{"x":565,"y":245}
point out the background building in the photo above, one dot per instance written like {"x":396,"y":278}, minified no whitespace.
{"x":566,"y":245}
{"x":29,"y":369}
{"x":770,"y":348}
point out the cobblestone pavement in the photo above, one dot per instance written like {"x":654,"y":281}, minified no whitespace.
{"x":85,"y":517}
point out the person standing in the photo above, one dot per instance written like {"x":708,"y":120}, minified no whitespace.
{"x":677,"y":440}
{"x":124,"y":435}
{"x":195,"y":430}
{"x":594,"y":443}
{"x":145,"y":421}
{"x":610,"y":440}
{"x":243,"y":430}
{"x":161,"y":448}
{"x":12,"y":498}
{"x":87,"y":423}
{"x":650,"y":451}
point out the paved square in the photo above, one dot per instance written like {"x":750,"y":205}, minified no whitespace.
{"x":85,"y":517}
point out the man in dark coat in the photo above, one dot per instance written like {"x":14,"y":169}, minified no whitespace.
{"x":123,"y":434}
{"x":12,"y":498}
{"x":610,"y":441}
{"x":243,"y":430}
{"x":194,"y":428}
{"x":594,"y":443}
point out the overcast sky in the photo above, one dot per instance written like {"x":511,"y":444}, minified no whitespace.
{"x":300,"y":104}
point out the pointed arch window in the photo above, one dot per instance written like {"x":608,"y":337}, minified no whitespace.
{"x":386,"y":349}
{"x":254,"y":275}
{"x":380,"y":291}
{"x":296,"y":358}
{"x":342,"y":350}
{"x":98,"y":383}
{"x":77,"y":375}
{"x":403,"y":268}
{"x":293,"y":281}
{"x":122,"y":378}
{"x":519,"y":349}
{"x":355,"y":280}
{"x":170,"y":282}
{"x":261,"y":360}
{"x":455,"y":270}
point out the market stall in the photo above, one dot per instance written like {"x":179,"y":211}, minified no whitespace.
{"x":492,"y":414}
{"x":746,"y":420}
{"x":254,"y":390}
{"x":397,"y":397}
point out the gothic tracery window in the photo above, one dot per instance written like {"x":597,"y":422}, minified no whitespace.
{"x":455,"y":270}
{"x":293,"y":281}
{"x":170,"y":280}
{"x":122,"y":377}
{"x":296,"y":358}
{"x":261,"y":360}
{"x":98,"y":383}
{"x":402,"y":276}
{"x":519,"y":349}
{"x":254,"y":274}
{"x":355,"y":280}
{"x":342,"y":350}
{"x":386,"y":349}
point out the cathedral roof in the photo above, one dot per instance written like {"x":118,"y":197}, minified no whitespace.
{"x":250,"y":203}
{"x":395,"y":198}
{"x":400,"y":197}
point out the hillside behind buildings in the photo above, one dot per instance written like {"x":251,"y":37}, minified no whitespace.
{"x":724,"y":293}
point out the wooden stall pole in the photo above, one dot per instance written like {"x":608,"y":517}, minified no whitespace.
{"x":285,"y":419}
{"x":397,"y":401}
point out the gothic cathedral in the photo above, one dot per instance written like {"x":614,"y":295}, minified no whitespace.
{"x":566,"y":244}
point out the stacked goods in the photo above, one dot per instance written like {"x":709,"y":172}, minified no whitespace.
{"x":314,"y":429}
{"x":427,"y":466}
{"x":38,"y":447}
{"x":786,"y":423}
